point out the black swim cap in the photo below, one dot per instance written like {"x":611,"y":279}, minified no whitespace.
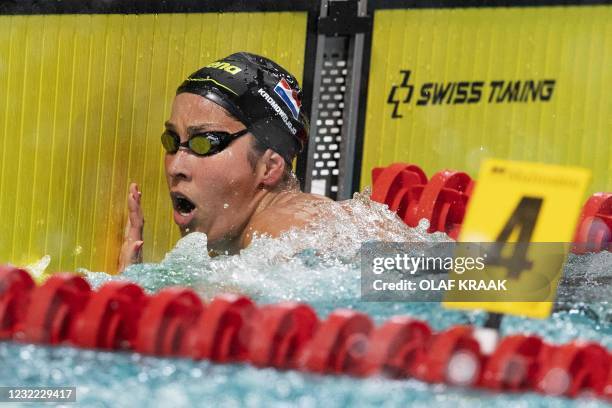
{"x":260,"y":94}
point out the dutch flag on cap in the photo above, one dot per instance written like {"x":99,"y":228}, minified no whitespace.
{"x":289,"y":96}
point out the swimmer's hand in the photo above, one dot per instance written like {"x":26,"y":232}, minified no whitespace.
{"x":131,"y":250}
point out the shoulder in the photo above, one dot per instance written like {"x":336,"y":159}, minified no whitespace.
{"x":294,"y":210}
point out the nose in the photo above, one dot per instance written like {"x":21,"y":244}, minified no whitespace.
{"x":178,"y":165}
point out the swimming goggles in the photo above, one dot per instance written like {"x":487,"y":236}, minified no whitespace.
{"x":202,"y":144}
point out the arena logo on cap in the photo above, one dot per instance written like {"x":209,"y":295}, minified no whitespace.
{"x":224,"y":66}
{"x":289,"y":96}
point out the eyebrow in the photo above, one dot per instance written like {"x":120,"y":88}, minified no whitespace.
{"x":195,"y":128}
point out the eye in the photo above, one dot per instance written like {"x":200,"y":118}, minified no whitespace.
{"x":170,"y":141}
{"x":200,"y":144}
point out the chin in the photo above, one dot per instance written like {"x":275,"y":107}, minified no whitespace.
{"x":187,"y":229}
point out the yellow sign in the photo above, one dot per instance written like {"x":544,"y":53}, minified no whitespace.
{"x":451,"y":87}
{"x":516,"y":202}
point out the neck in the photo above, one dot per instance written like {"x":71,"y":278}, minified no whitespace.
{"x":233,"y":243}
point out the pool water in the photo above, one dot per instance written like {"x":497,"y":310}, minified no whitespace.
{"x":321,"y":267}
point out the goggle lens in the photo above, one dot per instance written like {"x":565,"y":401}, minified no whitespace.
{"x":170,"y":142}
{"x":200,"y":144}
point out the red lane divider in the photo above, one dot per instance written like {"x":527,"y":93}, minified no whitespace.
{"x":339,"y":345}
{"x":574,"y":368}
{"x":110,"y":319}
{"x":222,"y":333}
{"x":53,"y":308}
{"x":453,"y":356}
{"x":282,"y":331}
{"x":231,"y":328}
{"x":607,"y":390}
{"x":594,"y":231}
{"x":396,"y":347}
{"x":400,"y":186}
{"x":15,"y":287}
{"x":165,"y":320}
{"x":443,"y":200}
{"x":515,"y":364}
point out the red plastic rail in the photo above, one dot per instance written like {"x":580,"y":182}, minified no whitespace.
{"x":594,"y":231}
{"x":175,"y":322}
{"x":443,"y":200}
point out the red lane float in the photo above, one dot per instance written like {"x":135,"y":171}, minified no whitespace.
{"x":15,"y":287}
{"x":453,"y":356}
{"x":339,"y":345}
{"x":574,"y":368}
{"x":280,"y":333}
{"x":399,"y":186}
{"x":396,"y":347}
{"x":175,"y":322}
{"x":594,"y":231}
{"x":111,"y":317}
{"x":51,"y":314}
{"x":607,"y":389}
{"x":165,"y":320}
{"x":515,"y":364}
{"x":222,"y":333}
{"x":443,"y":202}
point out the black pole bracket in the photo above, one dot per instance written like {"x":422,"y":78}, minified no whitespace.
{"x":342,"y":19}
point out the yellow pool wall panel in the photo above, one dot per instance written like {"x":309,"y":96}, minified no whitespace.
{"x":570,"y":45}
{"x":83,"y":99}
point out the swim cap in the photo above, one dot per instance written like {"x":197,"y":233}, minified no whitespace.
{"x":260,"y":94}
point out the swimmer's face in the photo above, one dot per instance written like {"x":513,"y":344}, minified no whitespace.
{"x":212,"y":194}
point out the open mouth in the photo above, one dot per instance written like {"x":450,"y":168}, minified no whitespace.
{"x":182,"y":204}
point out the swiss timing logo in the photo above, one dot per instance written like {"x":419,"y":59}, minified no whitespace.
{"x":433,"y":93}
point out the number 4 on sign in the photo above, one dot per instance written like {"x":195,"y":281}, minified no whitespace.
{"x":514,"y":204}
{"x":524,"y":219}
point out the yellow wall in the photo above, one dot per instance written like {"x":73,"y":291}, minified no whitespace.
{"x":572,"y":45}
{"x":83,"y":99}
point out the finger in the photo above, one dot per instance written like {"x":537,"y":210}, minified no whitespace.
{"x":133,"y":187}
{"x":134,"y":196}
{"x":135,"y":216}
{"x":135,"y":191}
{"x":135,"y":221}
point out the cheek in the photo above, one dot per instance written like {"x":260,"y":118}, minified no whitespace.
{"x":167,"y":166}
{"x":215,"y":180}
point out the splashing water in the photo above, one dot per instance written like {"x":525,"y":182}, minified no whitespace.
{"x":318,"y":263}
{"x":37,"y":269}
